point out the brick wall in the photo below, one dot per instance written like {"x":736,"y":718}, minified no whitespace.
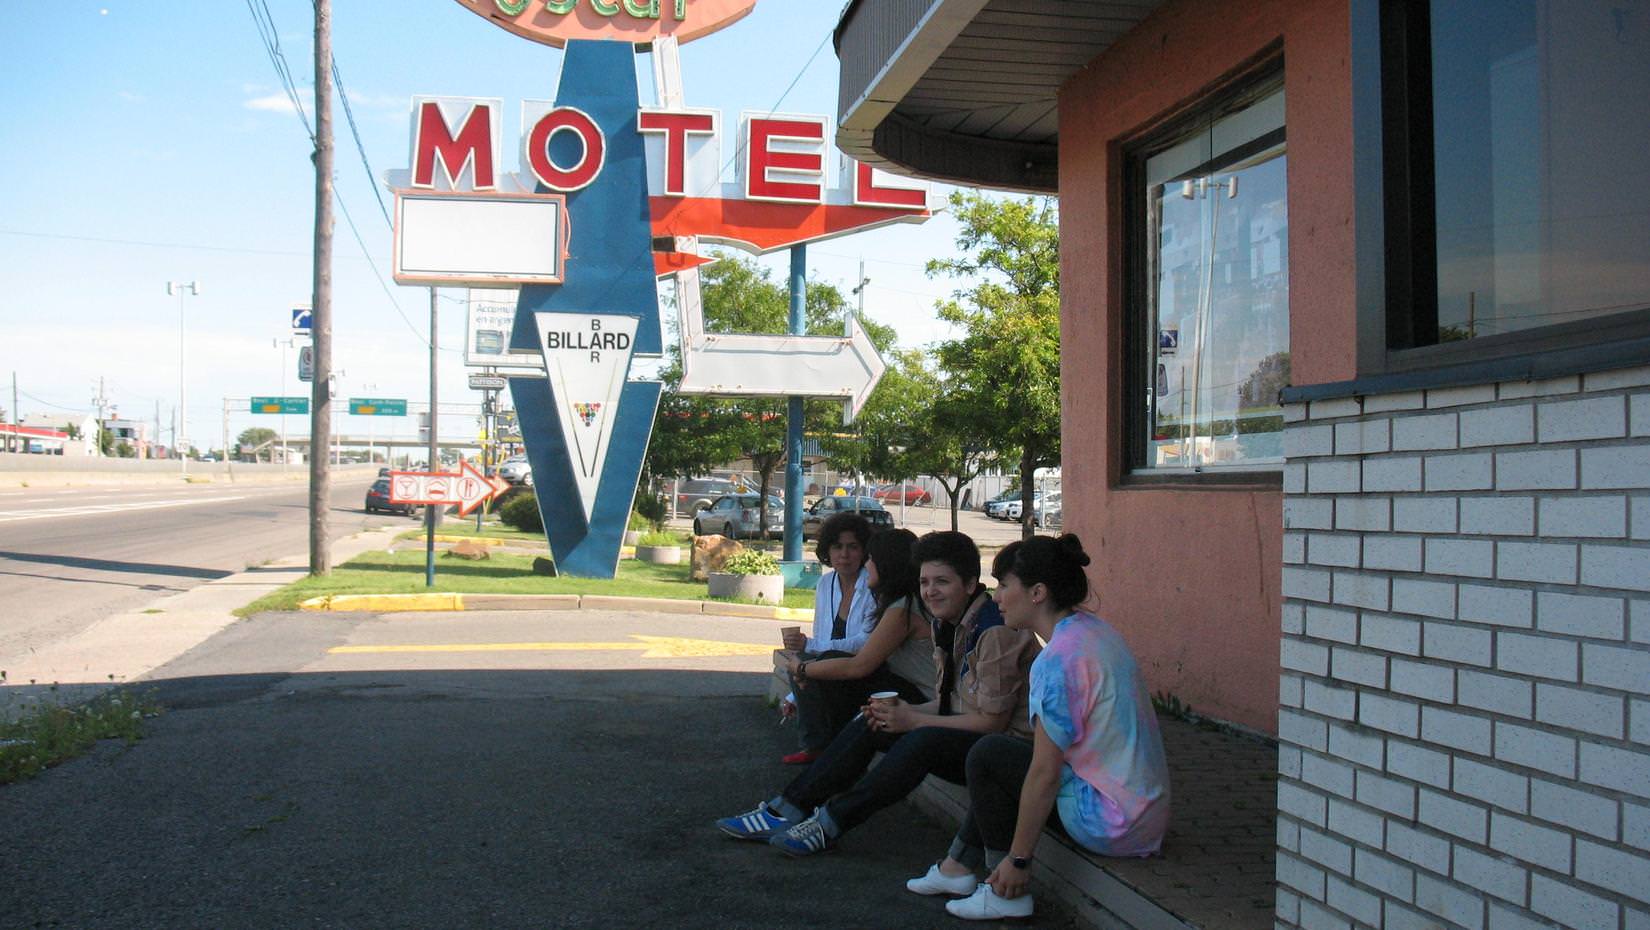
{"x":1465,"y":720}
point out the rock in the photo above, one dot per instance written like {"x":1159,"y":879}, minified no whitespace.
{"x":710,"y":553}
{"x":543,"y":566}
{"x":469,"y":549}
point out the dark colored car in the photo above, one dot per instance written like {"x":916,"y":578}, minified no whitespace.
{"x":736,"y":515}
{"x":696,"y":494}
{"x":826,"y":507}
{"x":378,"y":498}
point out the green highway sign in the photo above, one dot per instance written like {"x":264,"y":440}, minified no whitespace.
{"x":298,"y":405}
{"x":377,"y":407}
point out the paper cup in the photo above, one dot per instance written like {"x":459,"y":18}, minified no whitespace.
{"x":884,"y":697}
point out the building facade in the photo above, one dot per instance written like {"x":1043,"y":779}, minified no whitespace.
{"x":1356,"y":321}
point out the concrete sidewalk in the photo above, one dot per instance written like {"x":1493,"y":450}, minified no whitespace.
{"x":124,"y":647}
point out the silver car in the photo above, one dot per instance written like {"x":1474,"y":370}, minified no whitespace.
{"x":517,"y":470}
{"x":735,"y":516}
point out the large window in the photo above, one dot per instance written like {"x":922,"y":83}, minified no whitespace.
{"x":1209,"y":304}
{"x":1517,"y":146}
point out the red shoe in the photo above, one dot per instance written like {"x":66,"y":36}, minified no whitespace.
{"x":800,"y":757}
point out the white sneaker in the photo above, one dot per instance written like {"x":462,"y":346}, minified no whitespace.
{"x":937,"y":882}
{"x":984,"y":904}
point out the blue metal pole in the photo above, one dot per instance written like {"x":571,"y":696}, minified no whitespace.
{"x":793,"y":434}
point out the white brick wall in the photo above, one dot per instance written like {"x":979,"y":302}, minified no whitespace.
{"x":1466,"y":645}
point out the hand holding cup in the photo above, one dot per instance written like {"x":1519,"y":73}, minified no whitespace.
{"x":793,"y":639}
{"x":883,"y":706}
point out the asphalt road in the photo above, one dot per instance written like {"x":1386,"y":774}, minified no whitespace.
{"x":72,"y":556}
{"x":561,"y":769}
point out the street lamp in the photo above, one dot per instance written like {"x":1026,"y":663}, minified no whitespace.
{"x":179,"y":435}
{"x":284,"y":344}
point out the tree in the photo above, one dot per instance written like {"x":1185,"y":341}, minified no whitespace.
{"x":255,"y":437}
{"x":1006,"y":366}
{"x":694,"y":433}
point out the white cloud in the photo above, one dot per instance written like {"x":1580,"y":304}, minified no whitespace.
{"x":271,"y":103}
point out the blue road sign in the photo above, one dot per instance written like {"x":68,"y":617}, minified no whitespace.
{"x":300,"y":319}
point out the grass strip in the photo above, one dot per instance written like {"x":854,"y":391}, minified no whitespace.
{"x":403,"y":573}
{"x":51,"y":734}
{"x":462,"y":527}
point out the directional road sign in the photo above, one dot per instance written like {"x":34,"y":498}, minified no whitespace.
{"x":377,"y":407}
{"x":298,"y":405}
{"x":467,"y":487}
{"x":301,"y":319}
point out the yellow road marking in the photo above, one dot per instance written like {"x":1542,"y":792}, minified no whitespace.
{"x":651,"y":647}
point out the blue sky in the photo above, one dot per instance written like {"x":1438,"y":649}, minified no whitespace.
{"x":149,"y":142}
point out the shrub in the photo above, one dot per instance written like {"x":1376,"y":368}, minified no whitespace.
{"x":659,"y":538}
{"x":522,"y":512}
{"x":638,"y":521}
{"x":652,"y":508}
{"x":752,"y":562}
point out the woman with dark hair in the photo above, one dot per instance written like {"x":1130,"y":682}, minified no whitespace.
{"x":898,"y":656}
{"x":980,"y":670}
{"x":1096,"y":756}
{"x":843,"y":608}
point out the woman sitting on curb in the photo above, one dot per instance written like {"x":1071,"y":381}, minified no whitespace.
{"x":897,"y":657}
{"x":1096,"y":756}
{"x":982,"y":669}
{"x":843,"y":610}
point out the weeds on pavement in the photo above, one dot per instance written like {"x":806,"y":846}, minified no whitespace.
{"x":51,"y":733}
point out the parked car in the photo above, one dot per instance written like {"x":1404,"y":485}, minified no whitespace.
{"x":913,"y":494}
{"x":994,"y":508}
{"x":384,"y":472}
{"x":826,"y":507}
{"x":378,"y":499}
{"x":736,"y":516}
{"x":517,"y":470}
{"x":695,"y":494}
{"x":1014,"y":508}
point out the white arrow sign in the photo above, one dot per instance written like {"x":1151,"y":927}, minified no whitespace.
{"x":467,"y":488}
{"x":753,"y":364}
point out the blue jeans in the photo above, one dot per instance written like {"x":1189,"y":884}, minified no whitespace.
{"x":839,"y":782}
{"x":824,"y":706}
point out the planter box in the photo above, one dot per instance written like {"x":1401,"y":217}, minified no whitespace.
{"x":766,"y":588}
{"x":632,"y":537}
{"x":660,"y":555}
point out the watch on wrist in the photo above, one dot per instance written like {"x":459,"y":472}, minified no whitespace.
{"x":1020,"y":862}
{"x":802,"y":670}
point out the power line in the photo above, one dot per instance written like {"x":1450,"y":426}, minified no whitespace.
{"x":349,"y":116}
{"x":147,"y":244}
{"x":50,"y":404}
{"x":270,"y":36}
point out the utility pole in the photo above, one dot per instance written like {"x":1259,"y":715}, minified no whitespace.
{"x":178,"y":288}
{"x":101,"y":401}
{"x":320,"y":423}
{"x":17,"y":415}
{"x":157,"y":423}
{"x":435,"y":460}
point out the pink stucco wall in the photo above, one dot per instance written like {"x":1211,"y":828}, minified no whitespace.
{"x":1191,"y":575}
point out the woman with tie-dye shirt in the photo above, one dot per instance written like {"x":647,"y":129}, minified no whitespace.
{"x":1096,"y":758}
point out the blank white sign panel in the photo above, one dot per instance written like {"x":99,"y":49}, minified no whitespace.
{"x":474,"y":238}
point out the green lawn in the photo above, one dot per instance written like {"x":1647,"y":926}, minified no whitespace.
{"x":459,"y":526}
{"x":403,"y":573}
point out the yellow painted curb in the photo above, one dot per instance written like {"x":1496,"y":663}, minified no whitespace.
{"x":793,"y":613}
{"x":481,"y":540}
{"x":394,"y":603}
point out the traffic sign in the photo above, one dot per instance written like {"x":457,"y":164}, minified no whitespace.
{"x":487,"y":382}
{"x":377,"y":407}
{"x":467,"y":487}
{"x":298,"y":405}
{"x":301,"y":319}
{"x":306,"y":363}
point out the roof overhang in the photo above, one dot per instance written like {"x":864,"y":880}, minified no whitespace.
{"x":967,"y":90}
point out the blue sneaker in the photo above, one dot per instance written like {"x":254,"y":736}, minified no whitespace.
{"x":757,"y":824}
{"x":804,"y":839}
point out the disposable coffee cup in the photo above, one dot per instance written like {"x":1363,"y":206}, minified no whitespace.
{"x":884,"y":697}
{"x":786,"y":631}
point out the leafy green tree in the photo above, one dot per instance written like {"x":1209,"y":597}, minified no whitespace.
{"x":693,"y":433}
{"x":1005,"y":368}
{"x":256,"y":436}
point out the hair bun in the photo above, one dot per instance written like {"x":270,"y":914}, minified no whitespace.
{"x":1072,"y":548}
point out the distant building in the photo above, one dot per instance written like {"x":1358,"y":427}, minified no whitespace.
{"x":134,"y":433}
{"x":80,"y":428}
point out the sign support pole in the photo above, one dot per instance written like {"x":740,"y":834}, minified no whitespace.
{"x":435,"y":460}
{"x":793,"y":431}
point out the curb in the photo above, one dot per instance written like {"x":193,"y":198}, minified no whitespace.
{"x":409,"y":603}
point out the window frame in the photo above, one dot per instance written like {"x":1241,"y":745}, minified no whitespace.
{"x":1261,"y":77}
{"x":1394,"y":198}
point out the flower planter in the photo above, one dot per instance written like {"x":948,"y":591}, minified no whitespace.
{"x":632,"y":537}
{"x":660,"y":555}
{"x":769,"y":589}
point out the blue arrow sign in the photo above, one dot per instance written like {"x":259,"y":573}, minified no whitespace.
{"x":300,"y":320}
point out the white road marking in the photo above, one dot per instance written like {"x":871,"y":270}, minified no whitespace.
{"x":8,"y":516}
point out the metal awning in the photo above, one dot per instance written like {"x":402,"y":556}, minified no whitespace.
{"x":965,"y":90}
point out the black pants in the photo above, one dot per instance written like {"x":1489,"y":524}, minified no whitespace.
{"x":839,"y":781}
{"x":996,"y":769}
{"x":824,"y":706}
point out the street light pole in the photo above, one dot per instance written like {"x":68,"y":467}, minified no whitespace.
{"x":179,"y":436}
